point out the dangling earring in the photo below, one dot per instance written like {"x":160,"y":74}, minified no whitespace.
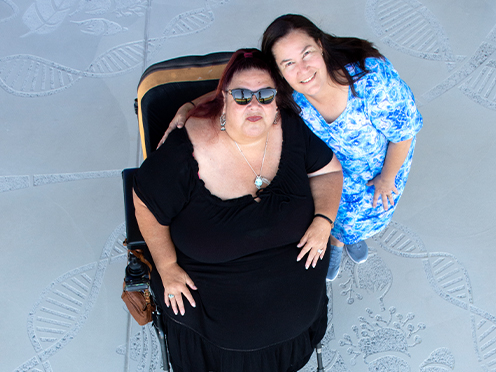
{"x":223,"y":122}
{"x":275,"y":118}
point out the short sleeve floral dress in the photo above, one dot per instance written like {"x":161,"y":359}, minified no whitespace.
{"x":383,"y":111}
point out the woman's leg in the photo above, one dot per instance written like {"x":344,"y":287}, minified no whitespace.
{"x":335,"y":261}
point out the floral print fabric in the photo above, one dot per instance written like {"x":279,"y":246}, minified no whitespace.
{"x":383,"y":112}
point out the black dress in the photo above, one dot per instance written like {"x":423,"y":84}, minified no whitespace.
{"x":257,"y":309}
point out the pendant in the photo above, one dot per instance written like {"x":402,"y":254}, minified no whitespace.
{"x":259,"y":181}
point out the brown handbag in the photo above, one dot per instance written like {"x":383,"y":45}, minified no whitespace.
{"x":139,"y":303}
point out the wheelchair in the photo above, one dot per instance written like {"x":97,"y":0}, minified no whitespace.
{"x":162,"y":89}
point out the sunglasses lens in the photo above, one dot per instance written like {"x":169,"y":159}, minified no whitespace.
{"x":266,"y":96}
{"x":244,"y":96}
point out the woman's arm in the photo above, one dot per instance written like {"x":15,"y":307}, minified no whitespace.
{"x":326,"y":185}
{"x":157,"y":237}
{"x":182,"y":114}
{"x":384,"y":181}
{"x":393,"y":112}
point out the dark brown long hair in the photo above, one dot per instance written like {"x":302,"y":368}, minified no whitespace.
{"x":337,"y":51}
{"x":241,"y":60}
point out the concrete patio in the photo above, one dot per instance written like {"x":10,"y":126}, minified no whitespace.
{"x":424,"y":301}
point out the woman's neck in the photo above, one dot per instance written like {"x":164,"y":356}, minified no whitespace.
{"x":248,"y":143}
{"x":331,"y":101}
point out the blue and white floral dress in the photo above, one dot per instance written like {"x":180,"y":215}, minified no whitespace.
{"x":383,"y":112}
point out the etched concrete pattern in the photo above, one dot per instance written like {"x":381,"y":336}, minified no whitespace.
{"x":31,"y":75}
{"x":424,"y":301}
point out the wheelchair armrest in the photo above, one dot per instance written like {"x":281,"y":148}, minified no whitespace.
{"x":133,"y":235}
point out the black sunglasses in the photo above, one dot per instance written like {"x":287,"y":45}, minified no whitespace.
{"x":244,"y":96}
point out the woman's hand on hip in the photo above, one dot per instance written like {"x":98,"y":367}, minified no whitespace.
{"x":177,"y":284}
{"x":314,"y":242}
{"x":384,"y":189}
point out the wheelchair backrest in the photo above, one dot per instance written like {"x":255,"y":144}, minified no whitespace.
{"x":165,"y":86}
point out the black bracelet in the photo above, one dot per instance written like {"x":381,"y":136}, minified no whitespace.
{"x":325,"y":218}
{"x":192,"y":103}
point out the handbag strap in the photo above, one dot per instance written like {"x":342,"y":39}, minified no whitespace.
{"x":139,"y":255}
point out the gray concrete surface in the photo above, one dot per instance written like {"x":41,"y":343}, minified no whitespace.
{"x":425,"y":300}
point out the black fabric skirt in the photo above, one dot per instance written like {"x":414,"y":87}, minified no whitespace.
{"x":262,"y":313}
{"x":191,"y":352}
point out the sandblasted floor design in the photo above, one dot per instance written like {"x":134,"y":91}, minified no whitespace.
{"x":425,"y":299}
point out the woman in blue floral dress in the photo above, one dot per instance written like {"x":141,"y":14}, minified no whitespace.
{"x":354,"y":100}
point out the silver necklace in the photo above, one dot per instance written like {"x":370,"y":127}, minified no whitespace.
{"x":259,"y":180}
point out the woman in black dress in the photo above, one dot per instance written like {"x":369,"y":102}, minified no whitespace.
{"x":236,"y":209}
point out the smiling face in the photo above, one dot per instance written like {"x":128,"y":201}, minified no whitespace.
{"x":300,"y":61}
{"x":252,"y":121}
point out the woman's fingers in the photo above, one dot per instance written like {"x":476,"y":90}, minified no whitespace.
{"x":187,"y":293}
{"x":179,"y":304}
{"x":390,"y":199}
{"x":190,"y":299}
{"x":303,"y":240}
{"x":164,"y":137}
{"x":191,"y":284}
{"x":383,"y":190}
{"x":316,"y":259}
{"x":180,"y":123}
{"x":315,"y":250}
{"x":387,"y":196}
{"x":314,"y":242}
{"x":311,"y":254}
{"x":315,"y":254}
{"x":384,"y":201}
{"x":177,"y":122}
{"x":377,"y":194}
{"x":171,"y":127}
{"x":302,"y":244}
{"x":174,"y":299}
{"x":176,"y":283}
{"x":311,"y":258}
{"x":303,"y":252}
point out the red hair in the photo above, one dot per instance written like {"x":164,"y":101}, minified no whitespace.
{"x":241,"y":60}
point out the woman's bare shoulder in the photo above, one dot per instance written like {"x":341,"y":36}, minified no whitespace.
{"x":201,"y":131}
